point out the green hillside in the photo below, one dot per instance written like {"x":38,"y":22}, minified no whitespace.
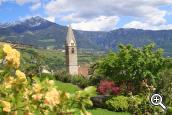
{"x":51,"y":59}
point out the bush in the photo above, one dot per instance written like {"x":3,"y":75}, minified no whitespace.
{"x":108,"y":87}
{"x":79,"y":80}
{"x":166,"y":86}
{"x":63,"y":76}
{"x":134,"y":102}
{"x":119,"y":103}
{"x":169,"y":111}
{"x":46,"y":75}
{"x":137,"y":105}
{"x":145,"y":108}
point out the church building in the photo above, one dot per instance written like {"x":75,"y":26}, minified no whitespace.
{"x":71,"y":53}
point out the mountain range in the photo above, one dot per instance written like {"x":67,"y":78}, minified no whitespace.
{"x":39,"y":32}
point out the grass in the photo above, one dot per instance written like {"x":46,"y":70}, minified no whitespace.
{"x":99,"y":111}
{"x":70,"y":88}
{"x":67,"y":87}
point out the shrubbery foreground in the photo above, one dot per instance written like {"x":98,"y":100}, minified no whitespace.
{"x":130,"y":76}
{"x":20,"y":95}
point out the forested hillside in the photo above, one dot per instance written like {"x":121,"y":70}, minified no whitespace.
{"x":42,"y":33}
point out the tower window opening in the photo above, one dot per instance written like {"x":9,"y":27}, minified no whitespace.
{"x":73,"y":50}
{"x":72,"y":44}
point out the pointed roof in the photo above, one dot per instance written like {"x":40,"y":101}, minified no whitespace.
{"x":70,"y":36}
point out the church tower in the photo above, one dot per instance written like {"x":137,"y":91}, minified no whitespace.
{"x":71,"y":53}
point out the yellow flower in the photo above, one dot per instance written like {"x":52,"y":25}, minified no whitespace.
{"x":37,"y":96}
{"x":26,"y":94}
{"x":52,"y":97}
{"x":17,"y":54}
{"x":8,"y":81}
{"x":67,"y":95}
{"x":7,"y":48}
{"x":7,"y":85}
{"x":6,"y":106}
{"x":46,"y":112}
{"x":12,"y":56}
{"x":50,"y":82}
{"x":37,"y":88}
{"x":16,"y":58}
{"x":20,"y":76}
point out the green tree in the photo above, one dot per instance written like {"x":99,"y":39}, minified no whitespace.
{"x":32,"y":63}
{"x":132,"y":64}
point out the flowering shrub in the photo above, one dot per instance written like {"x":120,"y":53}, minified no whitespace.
{"x":108,"y":87}
{"x":12,"y":58}
{"x":118,"y":103}
{"x":19,"y":95}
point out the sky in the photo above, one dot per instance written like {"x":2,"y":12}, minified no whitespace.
{"x":93,"y":15}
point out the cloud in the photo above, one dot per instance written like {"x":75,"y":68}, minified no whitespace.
{"x":137,"y":24}
{"x":36,"y":6}
{"x":1,"y":1}
{"x":50,"y":18}
{"x":145,"y":13}
{"x":81,"y":10}
{"x":169,"y":13}
{"x":96,"y":8}
{"x":71,"y":18}
{"x":97,"y":24}
{"x":21,"y":2}
{"x":147,"y":26}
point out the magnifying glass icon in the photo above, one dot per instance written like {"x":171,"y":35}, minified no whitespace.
{"x":156,"y":100}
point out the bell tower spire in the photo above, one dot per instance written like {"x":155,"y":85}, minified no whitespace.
{"x":70,"y":36}
{"x":71,"y":53}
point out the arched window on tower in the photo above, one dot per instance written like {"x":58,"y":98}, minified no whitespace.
{"x":73,"y":51}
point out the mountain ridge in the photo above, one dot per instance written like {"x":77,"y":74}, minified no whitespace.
{"x":39,"y":32}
